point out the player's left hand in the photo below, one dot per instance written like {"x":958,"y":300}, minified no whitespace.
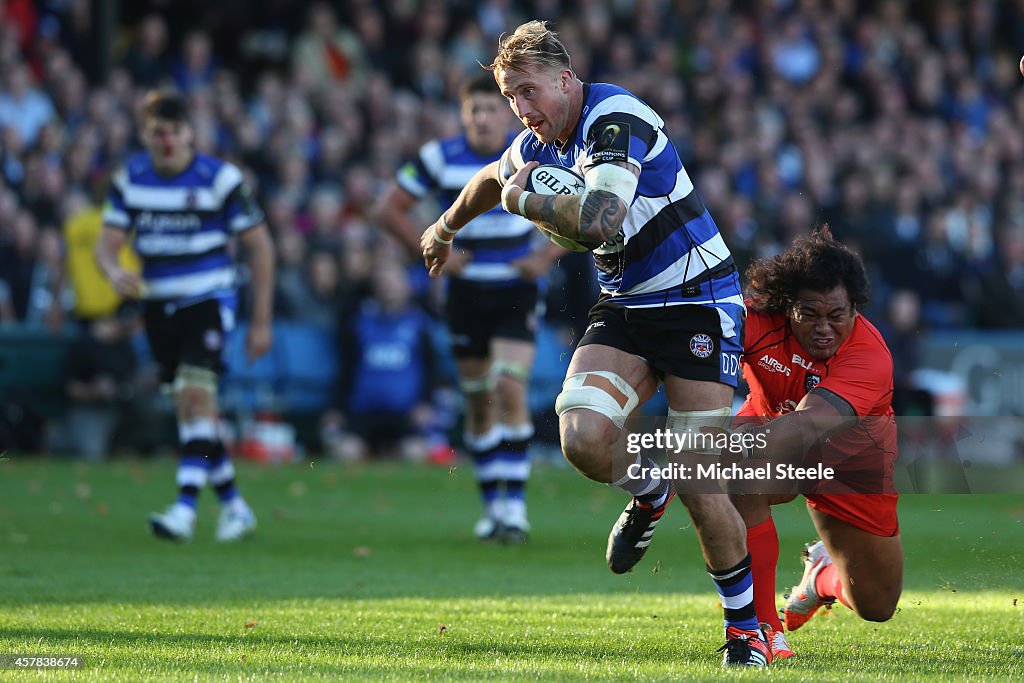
{"x":435,"y":254}
{"x":519,"y":179}
{"x":258,"y":340}
{"x":521,"y":176}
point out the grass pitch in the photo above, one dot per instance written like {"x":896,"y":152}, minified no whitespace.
{"x":372,"y":573}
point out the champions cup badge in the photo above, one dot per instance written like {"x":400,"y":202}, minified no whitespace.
{"x":701,"y":345}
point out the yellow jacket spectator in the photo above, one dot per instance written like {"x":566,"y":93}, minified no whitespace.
{"x":95,"y":297}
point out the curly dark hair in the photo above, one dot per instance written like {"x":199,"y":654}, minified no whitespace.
{"x":816,"y":262}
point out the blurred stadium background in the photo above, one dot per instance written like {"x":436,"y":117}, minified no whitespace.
{"x":900,"y":123}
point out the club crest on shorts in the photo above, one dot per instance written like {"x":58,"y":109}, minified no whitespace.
{"x":701,"y":345}
{"x":811,"y":380}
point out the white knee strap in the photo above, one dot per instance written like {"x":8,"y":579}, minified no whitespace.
{"x":707,"y":431}
{"x":512,"y":370}
{"x":576,"y":395}
{"x":195,"y":377}
{"x":478,"y":385}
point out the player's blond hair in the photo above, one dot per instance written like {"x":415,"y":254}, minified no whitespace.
{"x":532,"y":44}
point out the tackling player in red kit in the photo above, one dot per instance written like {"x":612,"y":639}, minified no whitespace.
{"x":823,"y":375}
{"x":821,"y":381}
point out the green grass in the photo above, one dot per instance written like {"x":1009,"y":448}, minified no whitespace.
{"x":371,"y":573}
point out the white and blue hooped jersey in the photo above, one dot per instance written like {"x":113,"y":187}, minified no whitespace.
{"x":495,"y":238}
{"x":183,"y":225}
{"x":669,"y":251}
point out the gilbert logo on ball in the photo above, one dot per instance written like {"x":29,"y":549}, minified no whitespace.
{"x":549,"y":179}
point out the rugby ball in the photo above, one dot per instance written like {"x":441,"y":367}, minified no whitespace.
{"x":550,"y":179}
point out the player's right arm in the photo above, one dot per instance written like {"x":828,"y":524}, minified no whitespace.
{"x":819,"y":415}
{"x":125,"y":282}
{"x":481,"y":194}
{"x":856,"y":382}
{"x":618,"y":136}
{"x":392,"y":213}
{"x":595,"y":216}
{"x":116,"y":224}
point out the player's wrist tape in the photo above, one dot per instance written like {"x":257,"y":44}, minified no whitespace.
{"x":441,"y":240}
{"x":443,"y":224}
{"x":522,"y":202}
{"x":506,"y":202}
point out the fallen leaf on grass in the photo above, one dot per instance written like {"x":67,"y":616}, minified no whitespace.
{"x":251,"y":624}
{"x":442,"y":628}
{"x":362,"y":551}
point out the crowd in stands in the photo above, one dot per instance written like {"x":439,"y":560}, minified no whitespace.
{"x":899,"y":123}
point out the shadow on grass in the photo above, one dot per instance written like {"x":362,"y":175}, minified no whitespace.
{"x":480,"y":655}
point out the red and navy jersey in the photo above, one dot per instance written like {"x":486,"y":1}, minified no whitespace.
{"x":780,"y":373}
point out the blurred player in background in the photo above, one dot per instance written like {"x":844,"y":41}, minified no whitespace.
{"x":492,"y":302}
{"x":184,"y":208}
{"x":670,"y":310}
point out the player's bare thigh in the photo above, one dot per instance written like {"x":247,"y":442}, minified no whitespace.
{"x":687,"y":396}
{"x":871,"y":567}
{"x":719,"y":526}
{"x":588,"y":436}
